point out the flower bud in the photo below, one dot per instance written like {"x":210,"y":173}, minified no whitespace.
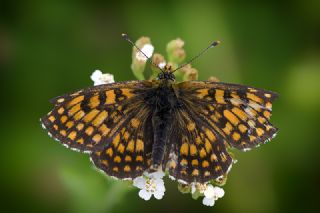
{"x":176,"y":53}
{"x":184,"y":188}
{"x":189,"y":73}
{"x":213,"y":79}
{"x":138,"y":59}
{"x":159,"y":60}
{"x":221,"y":181}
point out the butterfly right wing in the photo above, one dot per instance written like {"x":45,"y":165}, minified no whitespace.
{"x":129,"y":153}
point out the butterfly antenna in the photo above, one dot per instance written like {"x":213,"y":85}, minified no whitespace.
{"x":213,"y":44}
{"x":126,"y":37}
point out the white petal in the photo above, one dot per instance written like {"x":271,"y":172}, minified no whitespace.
{"x":219,"y":192}
{"x":107,"y":78}
{"x":96,"y":75}
{"x":160,"y":185}
{"x":144,"y":194}
{"x":156,"y":175}
{"x":158,"y":181}
{"x":172,"y":178}
{"x":162,"y":65}
{"x":207,"y":201}
{"x":209,"y":192}
{"x":148,"y":49}
{"x":158,"y":194}
{"x":139,"y":182}
{"x":193,"y":188}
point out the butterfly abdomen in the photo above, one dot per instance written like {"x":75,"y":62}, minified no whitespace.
{"x":164,"y":100}
{"x":161,"y":122}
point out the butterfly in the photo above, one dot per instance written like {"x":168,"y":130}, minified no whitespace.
{"x":185,"y":128}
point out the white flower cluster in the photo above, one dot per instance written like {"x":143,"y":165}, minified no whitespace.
{"x":98,"y":78}
{"x":211,"y":193}
{"x":150,"y":184}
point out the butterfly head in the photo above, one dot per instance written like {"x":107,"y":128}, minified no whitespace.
{"x":166,"y":74}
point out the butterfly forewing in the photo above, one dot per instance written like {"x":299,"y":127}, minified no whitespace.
{"x":90,"y":118}
{"x":239,"y":114}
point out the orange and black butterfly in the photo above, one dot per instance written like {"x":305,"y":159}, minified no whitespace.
{"x":184,"y":128}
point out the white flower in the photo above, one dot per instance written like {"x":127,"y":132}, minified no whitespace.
{"x":198,"y":187}
{"x":150,"y":184}
{"x":212,"y":194}
{"x":98,"y":78}
{"x":147,"y":49}
{"x":162,"y":65}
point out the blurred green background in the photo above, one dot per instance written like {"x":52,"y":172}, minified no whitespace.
{"x":50,"y":47}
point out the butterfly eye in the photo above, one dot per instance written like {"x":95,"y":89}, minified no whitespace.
{"x":161,"y":75}
{"x":172,"y":77}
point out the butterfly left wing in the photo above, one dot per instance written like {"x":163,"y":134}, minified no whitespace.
{"x":239,"y":114}
{"x":210,"y":118}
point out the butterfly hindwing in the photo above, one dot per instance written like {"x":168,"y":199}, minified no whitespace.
{"x":239,"y":114}
{"x":128,"y":154}
{"x":88,"y":119}
{"x":197,"y":153}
